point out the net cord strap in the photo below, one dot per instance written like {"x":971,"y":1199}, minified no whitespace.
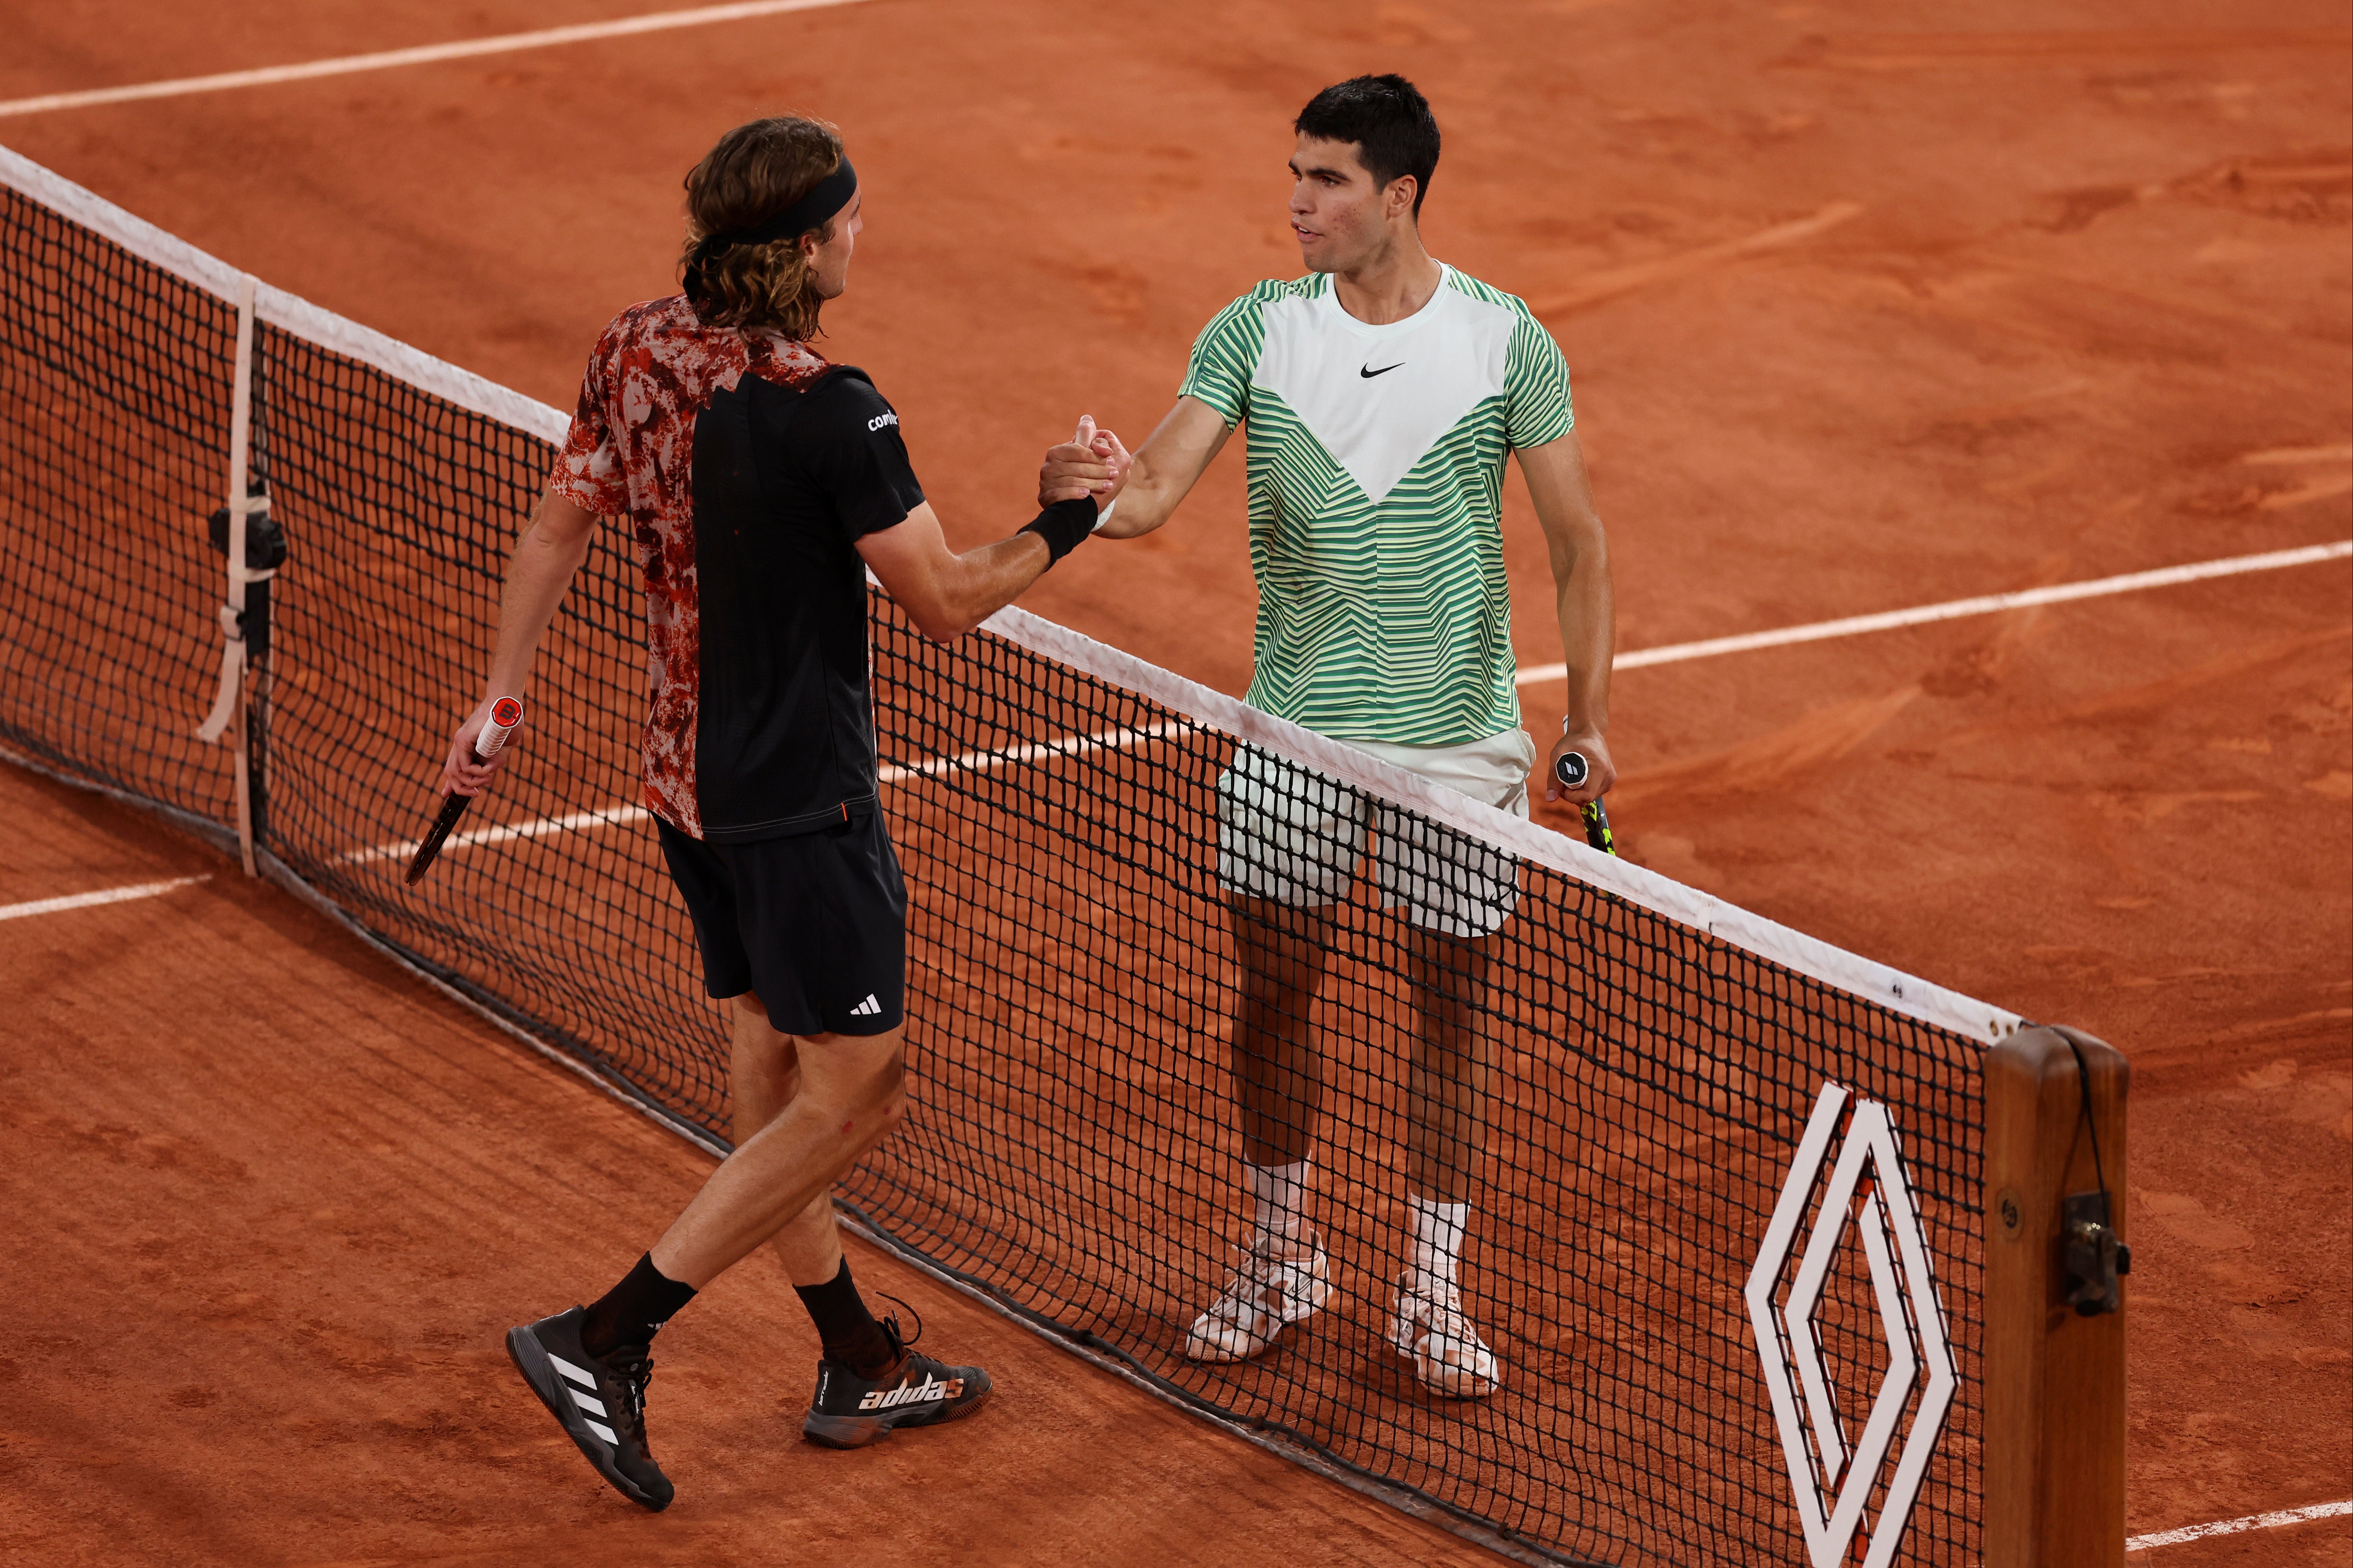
{"x":1876,"y":982}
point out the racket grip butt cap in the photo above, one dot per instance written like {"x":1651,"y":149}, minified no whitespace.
{"x":506,"y":717}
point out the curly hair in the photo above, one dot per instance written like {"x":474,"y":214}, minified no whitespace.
{"x":755,"y":172}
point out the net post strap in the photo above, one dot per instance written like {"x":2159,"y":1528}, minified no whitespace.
{"x":2055,"y":1431}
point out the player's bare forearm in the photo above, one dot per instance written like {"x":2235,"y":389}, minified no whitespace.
{"x":1588,"y":630}
{"x":1579,"y":550}
{"x":1151,"y":483}
{"x":944,"y":594}
{"x":548,"y":556}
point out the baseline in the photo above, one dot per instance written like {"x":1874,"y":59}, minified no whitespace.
{"x":423,"y":54}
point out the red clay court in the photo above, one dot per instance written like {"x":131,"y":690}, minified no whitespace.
{"x":1867,"y":310}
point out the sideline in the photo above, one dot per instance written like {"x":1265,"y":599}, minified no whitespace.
{"x":424,"y":54}
{"x":1955,"y":609}
{"x":2236,"y":1526}
{"x":105,"y":896}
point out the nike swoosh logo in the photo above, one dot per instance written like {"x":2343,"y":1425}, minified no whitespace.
{"x":1368,"y":373}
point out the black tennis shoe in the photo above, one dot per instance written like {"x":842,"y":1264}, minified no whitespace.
{"x":850,"y":1411}
{"x":601,"y":1404}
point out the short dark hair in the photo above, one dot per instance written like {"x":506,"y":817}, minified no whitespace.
{"x":1389,"y":121}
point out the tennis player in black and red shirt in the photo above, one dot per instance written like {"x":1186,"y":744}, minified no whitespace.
{"x":762,"y":483}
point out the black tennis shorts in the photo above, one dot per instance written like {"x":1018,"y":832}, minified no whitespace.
{"x":815,"y":923}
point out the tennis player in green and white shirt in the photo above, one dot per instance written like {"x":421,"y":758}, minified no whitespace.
{"x":1381,"y":392}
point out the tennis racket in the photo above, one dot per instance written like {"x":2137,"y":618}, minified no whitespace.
{"x":1572,"y":770}
{"x":505,"y":714}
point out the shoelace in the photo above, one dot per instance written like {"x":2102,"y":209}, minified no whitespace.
{"x":891,"y":1325}
{"x":1253,"y":1276}
{"x":1444,"y":1319}
{"x":636,"y":1373}
{"x":1261,"y":1260}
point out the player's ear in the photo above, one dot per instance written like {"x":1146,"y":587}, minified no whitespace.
{"x":1400,"y":194}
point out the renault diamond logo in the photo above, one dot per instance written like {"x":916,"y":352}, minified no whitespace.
{"x":1832,"y":1478}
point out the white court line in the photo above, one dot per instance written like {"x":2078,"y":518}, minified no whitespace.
{"x":620,"y":815}
{"x":1059,"y":746}
{"x":616,"y":816}
{"x":425,"y":54}
{"x":1955,"y":609}
{"x":2235,"y":1526}
{"x":89,"y":901}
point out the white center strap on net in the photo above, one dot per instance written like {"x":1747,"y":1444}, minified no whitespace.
{"x":1876,"y":982}
{"x":241,"y":508}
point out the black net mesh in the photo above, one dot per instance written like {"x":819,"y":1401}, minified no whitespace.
{"x":114,"y":413}
{"x":1615,"y":1096}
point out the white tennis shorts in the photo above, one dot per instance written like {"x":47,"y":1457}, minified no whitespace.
{"x":1290,"y":833}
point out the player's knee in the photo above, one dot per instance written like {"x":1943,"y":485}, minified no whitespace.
{"x":761,"y":1048}
{"x":882,"y":1093}
{"x":890,"y":1094}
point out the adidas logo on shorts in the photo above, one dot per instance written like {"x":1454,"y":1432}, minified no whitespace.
{"x":870,"y":1009}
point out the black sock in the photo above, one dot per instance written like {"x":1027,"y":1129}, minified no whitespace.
{"x":630,"y":1311}
{"x":844,"y":1326}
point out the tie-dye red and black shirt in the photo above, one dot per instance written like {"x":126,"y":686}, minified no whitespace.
{"x":749,"y":468}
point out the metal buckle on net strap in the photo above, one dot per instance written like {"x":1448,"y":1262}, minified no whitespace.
{"x":232,"y":625}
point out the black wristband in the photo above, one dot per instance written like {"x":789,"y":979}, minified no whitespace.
{"x":1064,"y":525}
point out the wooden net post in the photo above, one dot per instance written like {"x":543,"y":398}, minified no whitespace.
{"x":2054,"y":1330}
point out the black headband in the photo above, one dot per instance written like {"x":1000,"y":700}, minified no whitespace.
{"x":828,"y":197}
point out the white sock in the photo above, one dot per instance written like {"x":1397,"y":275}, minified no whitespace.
{"x":1278,"y":1198}
{"x":1437,"y":1240}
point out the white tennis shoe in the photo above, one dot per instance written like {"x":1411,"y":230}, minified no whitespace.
{"x":1428,"y":1328}
{"x":1279,"y":1282}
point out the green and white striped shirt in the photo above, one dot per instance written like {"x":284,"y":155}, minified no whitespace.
{"x":1376,"y":463}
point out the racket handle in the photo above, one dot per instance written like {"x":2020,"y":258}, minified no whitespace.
{"x":1570,"y":771}
{"x":506,"y":717}
{"x":453,"y":806}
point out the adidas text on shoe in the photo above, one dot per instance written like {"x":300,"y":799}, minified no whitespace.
{"x":1279,"y":1282}
{"x":850,"y":1411}
{"x":601,"y":1405}
{"x":1428,"y":1328}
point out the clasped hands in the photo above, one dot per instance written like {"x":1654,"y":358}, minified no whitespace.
{"x":1091,"y":463}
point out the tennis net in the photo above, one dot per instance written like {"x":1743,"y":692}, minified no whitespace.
{"x":1686,"y":1377}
